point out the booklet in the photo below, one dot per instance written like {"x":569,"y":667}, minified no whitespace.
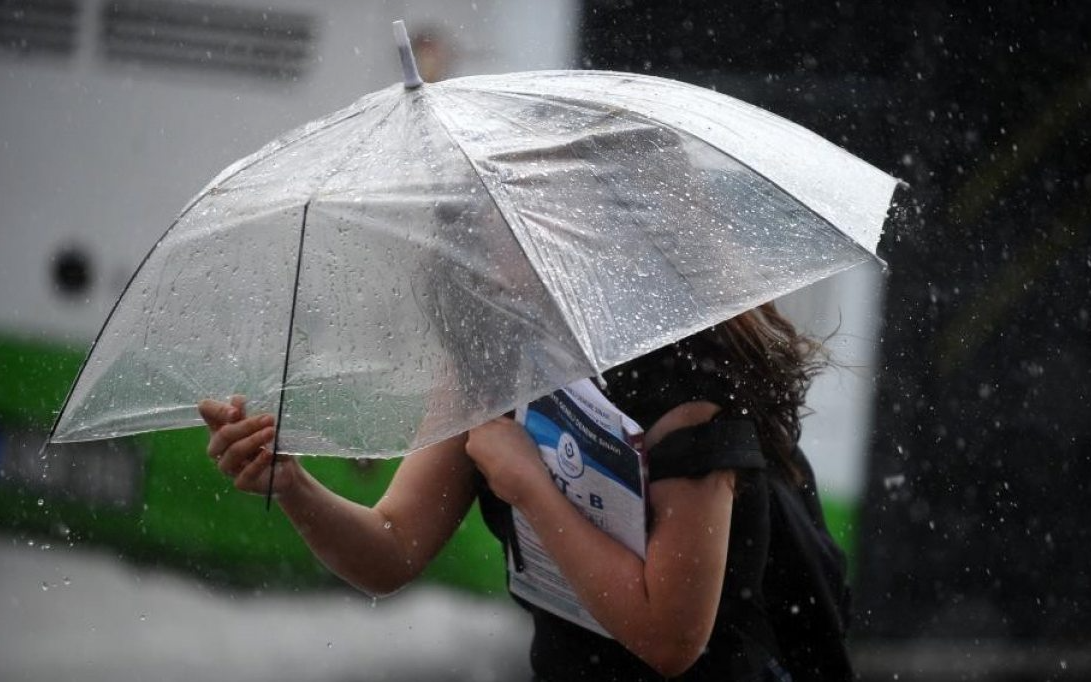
{"x":593,"y":452}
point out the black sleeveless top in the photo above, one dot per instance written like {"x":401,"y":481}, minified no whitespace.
{"x":744,"y":643}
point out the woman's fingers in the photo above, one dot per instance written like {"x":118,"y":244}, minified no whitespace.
{"x":239,"y":453}
{"x":216,"y":413}
{"x":252,"y":478}
{"x":224,"y":437}
{"x":237,"y":444}
{"x":239,"y":403}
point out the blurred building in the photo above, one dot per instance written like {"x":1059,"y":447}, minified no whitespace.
{"x":973,"y":559}
{"x":113,"y":114}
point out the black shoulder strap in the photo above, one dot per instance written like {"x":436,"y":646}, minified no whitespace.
{"x":692,"y":452}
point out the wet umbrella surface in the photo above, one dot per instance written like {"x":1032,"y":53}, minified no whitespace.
{"x":432,"y":256}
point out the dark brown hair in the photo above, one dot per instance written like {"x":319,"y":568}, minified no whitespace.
{"x":769,"y":365}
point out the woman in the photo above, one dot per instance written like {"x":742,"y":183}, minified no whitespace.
{"x":725,"y":553}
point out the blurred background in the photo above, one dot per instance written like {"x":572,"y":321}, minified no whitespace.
{"x":952,"y":442}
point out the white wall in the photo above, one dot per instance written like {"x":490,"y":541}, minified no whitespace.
{"x":847,"y":308}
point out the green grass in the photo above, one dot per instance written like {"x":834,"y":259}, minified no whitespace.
{"x":841,"y":516}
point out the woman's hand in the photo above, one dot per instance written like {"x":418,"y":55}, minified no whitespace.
{"x":239,"y":447}
{"x":505,"y":453}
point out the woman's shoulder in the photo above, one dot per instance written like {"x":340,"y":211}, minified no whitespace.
{"x":687,"y":415}
{"x":651,"y":386}
{"x":691,"y":447}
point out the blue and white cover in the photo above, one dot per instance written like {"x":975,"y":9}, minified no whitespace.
{"x":587,"y":446}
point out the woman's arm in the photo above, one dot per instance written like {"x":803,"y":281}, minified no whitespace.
{"x":377,"y":549}
{"x":662,"y":608}
{"x":380,"y":549}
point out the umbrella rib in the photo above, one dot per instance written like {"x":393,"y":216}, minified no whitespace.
{"x":257,"y":156}
{"x":351,"y":150}
{"x":589,"y":99}
{"x":287,"y":355}
{"x":587,"y":354}
{"x":106,"y":322}
{"x":694,"y":134}
{"x":270,"y":149}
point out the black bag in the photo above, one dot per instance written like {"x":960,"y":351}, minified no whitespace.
{"x":807,"y":595}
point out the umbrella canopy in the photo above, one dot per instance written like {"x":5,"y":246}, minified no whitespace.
{"x":430,"y":257}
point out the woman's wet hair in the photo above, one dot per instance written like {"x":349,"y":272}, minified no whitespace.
{"x":769,"y":366}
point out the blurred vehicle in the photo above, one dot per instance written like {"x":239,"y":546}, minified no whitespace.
{"x":112,"y":115}
{"x":157,"y":499}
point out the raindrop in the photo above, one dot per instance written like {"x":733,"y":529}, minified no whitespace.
{"x":388,"y":525}
{"x":67,"y":581}
{"x":41,"y":502}
{"x":45,"y":586}
{"x":143,"y":617}
{"x":895,"y":481}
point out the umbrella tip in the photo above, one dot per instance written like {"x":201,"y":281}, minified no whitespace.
{"x":409,"y":64}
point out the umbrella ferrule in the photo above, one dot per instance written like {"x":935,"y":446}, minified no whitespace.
{"x":405,"y":50}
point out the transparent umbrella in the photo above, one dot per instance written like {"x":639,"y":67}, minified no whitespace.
{"x":435,"y":254}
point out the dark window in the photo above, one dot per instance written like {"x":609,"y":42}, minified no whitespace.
{"x":260,"y":43}
{"x":30,"y":27}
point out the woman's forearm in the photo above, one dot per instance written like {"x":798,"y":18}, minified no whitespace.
{"x":601,"y":570}
{"x":379,"y":549}
{"x":660,"y":608}
{"x":354,"y":541}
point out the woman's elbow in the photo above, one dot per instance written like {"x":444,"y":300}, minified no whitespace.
{"x":672,"y":657}
{"x":376,"y":590}
{"x":376,"y":584}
